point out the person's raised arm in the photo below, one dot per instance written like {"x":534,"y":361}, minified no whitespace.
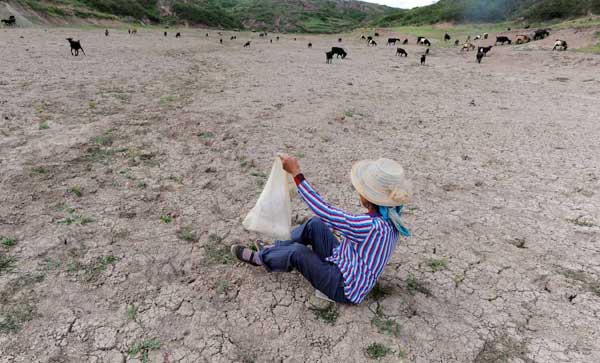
{"x":356,"y":227}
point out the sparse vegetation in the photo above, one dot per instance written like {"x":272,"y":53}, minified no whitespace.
{"x":165,"y":218}
{"x":186,"y":233}
{"x":44,"y":125}
{"x":328,"y":314}
{"x":437,"y":264}
{"x":7,"y":263}
{"x":76,"y":191}
{"x":222,"y":287}
{"x":8,"y":241}
{"x":143,"y":348}
{"x":377,"y":351}
{"x":413,"y":285}
{"x":132,"y":311}
{"x":75,"y":218}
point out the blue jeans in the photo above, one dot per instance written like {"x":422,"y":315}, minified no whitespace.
{"x":323,"y":275}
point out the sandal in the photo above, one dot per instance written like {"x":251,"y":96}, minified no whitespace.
{"x":261,"y":245}
{"x":244,"y":254}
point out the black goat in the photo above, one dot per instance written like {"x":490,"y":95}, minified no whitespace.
{"x":329,"y":57}
{"x":10,"y":21}
{"x":480,"y":56}
{"x":310,"y":45}
{"x":75,"y":47}
{"x":423,"y":57}
{"x":447,"y":37}
{"x":339,"y":52}
{"x":178,"y":35}
{"x":247,"y":44}
{"x":401,"y":52}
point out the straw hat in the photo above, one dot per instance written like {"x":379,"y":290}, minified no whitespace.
{"x":381,"y":182}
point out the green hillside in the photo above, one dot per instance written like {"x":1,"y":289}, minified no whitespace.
{"x":491,"y":11}
{"x":324,"y":16}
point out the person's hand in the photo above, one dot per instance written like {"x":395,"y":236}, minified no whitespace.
{"x":290,"y":164}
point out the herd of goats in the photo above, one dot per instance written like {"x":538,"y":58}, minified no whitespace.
{"x":468,"y":45}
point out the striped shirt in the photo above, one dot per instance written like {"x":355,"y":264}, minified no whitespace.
{"x":366,"y":247}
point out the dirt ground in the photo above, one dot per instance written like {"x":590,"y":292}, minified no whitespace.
{"x":125,"y":175}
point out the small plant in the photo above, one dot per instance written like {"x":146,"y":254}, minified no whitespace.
{"x":377,"y":350}
{"x":222,"y":287}
{"x":8,"y":241}
{"x":39,"y":170}
{"x":75,"y":218}
{"x":186,"y":233}
{"x":413,"y":285}
{"x":206,"y":134}
{"x":458,"y":279}
{"x":44,"y":125}
{"x":386,"y":326}
{"x":143,"y":348}
{"x":7,"y":263}
{"x":142,"y":185}
{"x":437,"y":265}
{"x":218,"y":254}
{"x":165,"y":218}
{"x":76,"y":191}
{"x":380,"y":291}
{"x":8,"y":324}
{"x":581,"y":221}
{"x":106,"y":139}
{"x":349,"y":113}
{"x":132,"y":311}
{"x":328,"y":314}
{"x":92,"y":105}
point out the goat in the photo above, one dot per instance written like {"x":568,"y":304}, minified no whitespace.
{"x":233,"y":37}
{"x":339,"y":40}
{"x":485,"y":35}
{"x":75,"y":47}
{"x":541,"y":34}
{"x":484,"y":50}
{"x":372,"y":43}
{"x":221,"y":41}
{"x":134,"y":32}
{"x":309,"y":45}
{"x":178,"y":35}
{"x":503,"y":39}
{"x":165,"y":34}
{"x":426,"y":42}
{"x":376,"y":34}
{"x":427,"y":51}
{"x":271,"y":40}
{"x":277,"y":38}
{"x":477,"y":37}
{"x":419,"y":39}
{"x":10,"y":21}
{"x":247,"y":44}
{"x":339,"y":52}
{"x":522,"y":38}
{"x":362,"y":37}
{"x":401,"y":52}
{"x":392,"y":41}
{"x":479,"y":57}
{"x":560,"y":44}
{"x":456,"y":42}
{"x":423,"y":58}
{"x":328,"y":57}
{"x":405,"y":41}
{"x":106,"y":32}
{"x":447,"y":37}
{"x":468,"y":46}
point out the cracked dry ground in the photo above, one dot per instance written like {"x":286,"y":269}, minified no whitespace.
{"x":125,"y":175}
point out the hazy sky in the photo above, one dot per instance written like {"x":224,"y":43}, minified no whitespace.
{"x":403,"y":4}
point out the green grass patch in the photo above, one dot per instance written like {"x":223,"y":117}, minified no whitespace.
{"x":328,"y":314}
{"x":377,"y":351}
{"x":165,"y":218}
{"x":44,"y":125}
{"x":413,"y":285}
{"x":143,"y":348}
{"x":7,"y":263}
{"x":437,"y":264}
{"x":186,"y":233}
{"x":8,"y":241}
{"x":75,"y":218}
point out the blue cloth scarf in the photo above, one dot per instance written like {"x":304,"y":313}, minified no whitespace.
{"x":393,"y":214}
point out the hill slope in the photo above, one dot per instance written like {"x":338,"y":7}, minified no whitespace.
{"x":491,"y":11}
{"x":281,"y":15}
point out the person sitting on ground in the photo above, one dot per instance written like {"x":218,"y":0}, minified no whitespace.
{"x":343,"y":270}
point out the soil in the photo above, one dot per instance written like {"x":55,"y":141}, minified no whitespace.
{"x":125,"y":175}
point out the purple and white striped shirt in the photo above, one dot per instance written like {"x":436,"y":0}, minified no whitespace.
{"x":367,"y":245}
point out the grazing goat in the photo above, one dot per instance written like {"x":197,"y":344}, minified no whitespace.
{"x":560,"y":45}
{"x":339,"y":52}
{"x":468,"y":46}
{"x":447,"y":37}
{"x":419,"y":39}
{"x":277,"y":38}
{"x":233,"y":37}
{"x":477,"y":37}
{"x":310,"y":45}
{"x":339,"y":40}
{"x":369,"y":38}
{"x":328,"y":57}
{"x":178,"y":35}
{"x":362,"y":37}
{"x":207,"y":34}
{"x":425,"y":42}
{"x":271,"y":40}
{"x":106,"y":32}
{"x":134,"y":32}
{"x":456,"y":42}
{"x":423,"y":58}
{"x":221,"y":41}
{"x":522,"y":38}
{"x":485,"y":35}
{"x":502,"y":39}
{"x":401,"y":52}
{"x":75,"y":47}
{"x":541,"y":34}
{"x":376,"y":34}
{"x":129,"y":31}
{"x":479,"y":57}
{"x":427,"y":51}
{"x":372,"y":43}
{"x":405,"y":41}
{"x":165,"y":34}
{"x":484,"y":50}
{"x":392,"y":41}
{"x":247,"y":44}
{"x":10,"y":21}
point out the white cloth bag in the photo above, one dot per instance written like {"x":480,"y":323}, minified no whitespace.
{"x":272,"y":214}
